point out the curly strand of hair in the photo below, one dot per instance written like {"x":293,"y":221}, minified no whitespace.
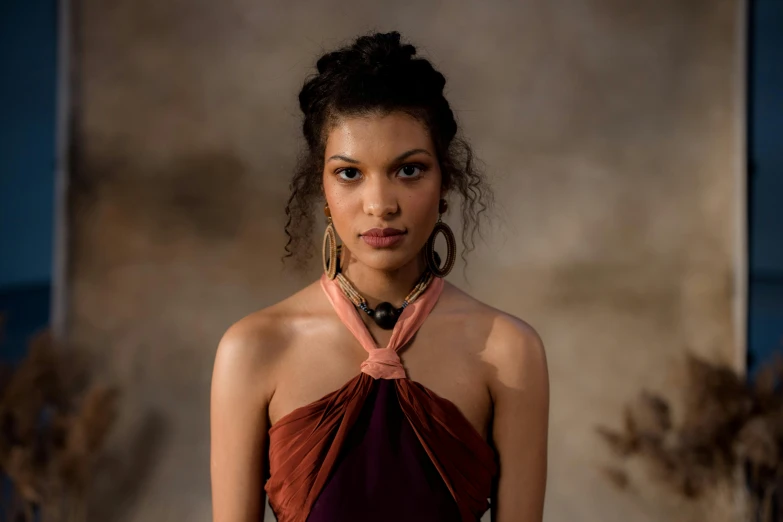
{"x":477,"y":197}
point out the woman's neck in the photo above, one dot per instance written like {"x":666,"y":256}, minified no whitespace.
{"x":377,"y":286}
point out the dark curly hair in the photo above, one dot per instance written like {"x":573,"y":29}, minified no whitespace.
{"x":379,"y":75}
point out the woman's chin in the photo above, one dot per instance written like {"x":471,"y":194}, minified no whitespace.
{"x":387,"y":260}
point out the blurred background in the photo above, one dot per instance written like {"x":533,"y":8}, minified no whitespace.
{"x":633,"y":146}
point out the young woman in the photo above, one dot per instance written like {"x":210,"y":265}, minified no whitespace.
{"x":380,"y":392}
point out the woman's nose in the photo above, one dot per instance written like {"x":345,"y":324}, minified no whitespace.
{"x":380,"y":199}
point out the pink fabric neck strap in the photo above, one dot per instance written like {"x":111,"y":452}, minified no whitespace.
{"x":383,"y":363}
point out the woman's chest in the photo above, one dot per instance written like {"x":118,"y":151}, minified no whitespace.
{"x":447,"y":365}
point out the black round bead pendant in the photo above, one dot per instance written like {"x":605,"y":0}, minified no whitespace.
{"x":385,"y":315}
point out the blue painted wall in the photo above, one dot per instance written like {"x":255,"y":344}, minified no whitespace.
{"x":28,"y":94}
{"x":766,"y":182}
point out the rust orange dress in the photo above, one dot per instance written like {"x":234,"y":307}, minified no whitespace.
{"x":382,"y":448}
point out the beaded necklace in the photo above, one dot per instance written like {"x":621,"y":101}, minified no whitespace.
{"x":385,"y":314}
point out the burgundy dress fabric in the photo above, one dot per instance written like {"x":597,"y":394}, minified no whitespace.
{"x":383,"y":460}
{"x":382,"y":447}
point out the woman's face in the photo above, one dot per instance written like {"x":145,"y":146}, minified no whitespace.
{"x":382,"y":182}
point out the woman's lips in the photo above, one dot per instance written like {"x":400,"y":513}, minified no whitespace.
{"x":383,"y":241}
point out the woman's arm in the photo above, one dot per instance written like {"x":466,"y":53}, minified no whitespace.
{"x":241,"y":388}
{"x":520,"y":389}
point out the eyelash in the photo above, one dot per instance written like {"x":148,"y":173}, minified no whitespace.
{"x":419,"y":166}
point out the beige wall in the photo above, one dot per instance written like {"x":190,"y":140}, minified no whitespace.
{"x":609,"y":130}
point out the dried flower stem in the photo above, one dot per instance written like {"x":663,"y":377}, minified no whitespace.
{"x":51,"y":432}
{"x":728,"y":424}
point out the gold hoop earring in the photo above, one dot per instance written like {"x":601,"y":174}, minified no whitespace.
{"x":431,"y":256}
{"x":329,"y":248}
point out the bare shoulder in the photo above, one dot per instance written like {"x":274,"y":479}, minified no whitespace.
{"x":511,"y":346}
{"x":251,"y":348}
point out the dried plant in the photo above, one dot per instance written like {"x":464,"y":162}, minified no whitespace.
{"x":727,"y":424}
{"x":52,"y":428}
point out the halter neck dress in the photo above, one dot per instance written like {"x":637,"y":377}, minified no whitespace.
{"x":381,"y":448}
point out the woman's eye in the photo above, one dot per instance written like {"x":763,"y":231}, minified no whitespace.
{"x":348,"y":174}
{"x":410,"y":171}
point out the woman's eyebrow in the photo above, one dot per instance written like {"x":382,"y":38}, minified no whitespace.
{"x":410,"y":153}
{"x":396,"y":160}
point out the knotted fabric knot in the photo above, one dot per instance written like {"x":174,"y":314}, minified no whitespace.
{"x":383,"y":363}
